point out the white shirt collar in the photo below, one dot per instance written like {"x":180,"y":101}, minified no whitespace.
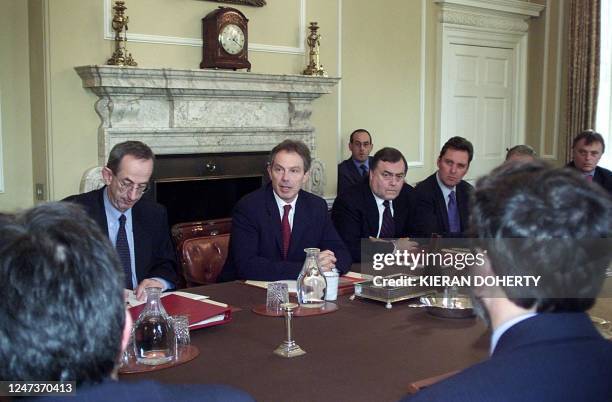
{"x":499,"y":331}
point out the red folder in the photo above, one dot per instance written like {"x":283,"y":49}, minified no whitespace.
{"x":201,"y":314}
{"x":346,"y":284}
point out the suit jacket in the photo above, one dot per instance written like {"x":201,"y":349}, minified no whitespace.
{"x":255,"y":250}
{"x":151,"y":391}
{"x":431,"y":213}
{"x":349,"y":175}
{"x":355,"y":215}
{"x":602,"y":176}
{"x":153,"y":250}
{"x":549,"y":357}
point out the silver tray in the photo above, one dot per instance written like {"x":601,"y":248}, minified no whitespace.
{"x":446,"y":307}
{"x":389,"y":294}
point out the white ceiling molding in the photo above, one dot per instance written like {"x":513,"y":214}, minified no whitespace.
{"x":197,"y":42}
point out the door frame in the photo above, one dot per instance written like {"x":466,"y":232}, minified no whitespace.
{"x":489,"y":24}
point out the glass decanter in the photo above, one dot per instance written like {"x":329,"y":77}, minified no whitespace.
{"x":311,"y":284}
{"x":154,"y":340}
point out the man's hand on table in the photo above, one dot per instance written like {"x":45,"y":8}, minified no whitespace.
{"x":327,"y":260}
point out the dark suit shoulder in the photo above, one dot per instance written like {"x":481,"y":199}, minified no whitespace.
{"x":86,"y":198}
{"x":427,"y":185}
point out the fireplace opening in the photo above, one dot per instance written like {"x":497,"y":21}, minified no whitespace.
{"x":206,"y":186}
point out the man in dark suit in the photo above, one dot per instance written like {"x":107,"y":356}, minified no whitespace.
{"x":544,"y":347}
{"x":74,"y":326}
{"x":587,"y":149}
{"x":443,"y":198}
{"x":359,"y":213}
{"x":138,"y":227}
{"x":355,"y":169}
{"x":272,"y":226}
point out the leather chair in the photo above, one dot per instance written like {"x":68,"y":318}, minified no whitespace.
{"x":203,"y":258}
{"x":188,"y":230}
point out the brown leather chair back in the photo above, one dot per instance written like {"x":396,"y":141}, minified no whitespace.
{"x":203,"y":258}
{"x":189,"y":230}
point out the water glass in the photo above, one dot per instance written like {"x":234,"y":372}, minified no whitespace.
{"x":180,"y":324}
{"x":278,"y":293}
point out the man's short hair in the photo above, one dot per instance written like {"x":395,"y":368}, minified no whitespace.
{"x":459,"y":144}
{"x":521,"y":149}
{"x":137,"y":149}
{"x":360,"y":130}
{"x":62,"y":306}
{"x":589,"y":137}
{"x":388,"y":154}
{"x":536,"y":220}
{"x":297,"y":147}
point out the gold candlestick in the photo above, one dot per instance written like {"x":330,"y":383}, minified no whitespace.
{"x":121,"y":57}
{"x":313,"y":40}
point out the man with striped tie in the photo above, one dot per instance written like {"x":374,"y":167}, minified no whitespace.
{"x":380,"y":208}
{"x":137,"y":226}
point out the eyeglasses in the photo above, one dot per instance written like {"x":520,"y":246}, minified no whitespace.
{"x":126,"y":185}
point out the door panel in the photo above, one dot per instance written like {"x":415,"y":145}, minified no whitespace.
{"x":477,"y":101}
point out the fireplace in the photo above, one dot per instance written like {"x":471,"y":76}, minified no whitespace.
{"x":206,"y":186}
{"x":196,"y":121}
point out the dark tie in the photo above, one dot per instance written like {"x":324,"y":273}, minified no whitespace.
{"x":387,"y":229}
{"x":454,"y":224}
{"x":364,"y":169}
{"x":123,"y":249}
{"x":286,"y":230}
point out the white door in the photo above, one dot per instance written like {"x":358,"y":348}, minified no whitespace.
{"x":477,"y":102}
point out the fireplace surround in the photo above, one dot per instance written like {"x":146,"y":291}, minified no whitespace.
{"x":202,"y":114}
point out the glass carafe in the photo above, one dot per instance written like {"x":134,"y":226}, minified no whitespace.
{"x":311,"y":284}
{"x":154,"y":340}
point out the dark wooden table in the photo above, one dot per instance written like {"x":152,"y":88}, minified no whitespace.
{"x":362,"y":352}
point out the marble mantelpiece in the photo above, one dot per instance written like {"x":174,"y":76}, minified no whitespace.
{"x":179,"y":111}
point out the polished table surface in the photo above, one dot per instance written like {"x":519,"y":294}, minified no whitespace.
{"x":362,"y":352}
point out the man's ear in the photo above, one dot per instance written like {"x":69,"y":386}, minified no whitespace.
{"x":107,"y":175}
{"x":482,"y":270}
{"x":305,"y":178}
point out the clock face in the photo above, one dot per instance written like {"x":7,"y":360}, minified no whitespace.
{"x":231,"y":39}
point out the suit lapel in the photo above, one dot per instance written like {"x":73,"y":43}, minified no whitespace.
{"x":462,"y":205}
{"x":99,"y":213}
{"x":274,"y":218}
{"x":372,"y":211}
{"x":300,"y":223}
{"x":441,"y":204}
{"x":141,"y":240}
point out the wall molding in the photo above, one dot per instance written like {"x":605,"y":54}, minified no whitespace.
{"x":197,"y":42}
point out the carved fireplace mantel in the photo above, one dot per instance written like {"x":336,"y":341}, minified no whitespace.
{"x":178,"y":111}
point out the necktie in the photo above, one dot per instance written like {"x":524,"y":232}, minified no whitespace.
{"x":454,"y":225}
{"x":364,"y":169}
{"x":123,"y":250}
{"x":286,"y":230}
{"x":387,"y":229}
{"x":589,"y":177}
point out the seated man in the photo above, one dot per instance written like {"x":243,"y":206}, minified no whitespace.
{"x":521,"y":153}
{"x":443,"y":198}
{"x":544,"y":347}
{"x":137,"y":227}
{"x":272,"y":226}
{"x":383,"y":207}
{"x":587,"y":149}
{"x":63,"y":314}
{"x":355,"y":169}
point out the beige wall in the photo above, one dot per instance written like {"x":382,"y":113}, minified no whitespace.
{"x":378,"y":57}
{"x":15,"y":106}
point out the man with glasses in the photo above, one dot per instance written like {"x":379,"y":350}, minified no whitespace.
{"x":137,"y":226}
{"x":380,"y":208}
{"x":355,"y":169}
{"x":443,"y":198}
{"x":587,"y":149}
